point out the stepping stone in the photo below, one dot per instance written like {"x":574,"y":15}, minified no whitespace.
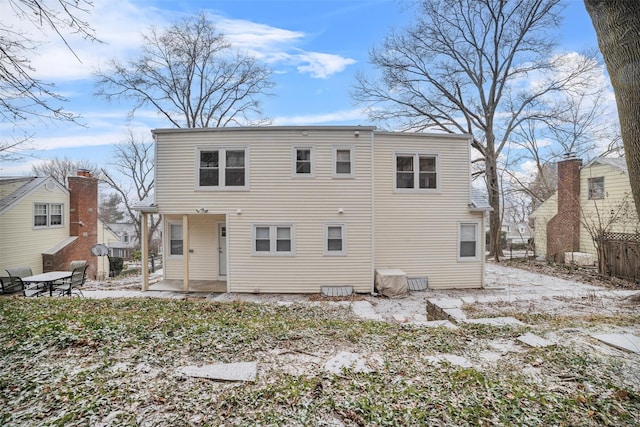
{"x":455,"y":314}
{"x":534,"y":340}
{"x":242,"y":371}
{"x":346,"y":360}
{"x":626,"y":342}
{"x":496,"y":321}
{"x":365,"y":310}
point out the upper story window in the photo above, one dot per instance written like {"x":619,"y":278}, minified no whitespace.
{"x":47,"y":214}
{"x":222,"y":168}
{"x":416,"y":172}
{"x":175,"y":239}
{"x":343,"y":162}
{"x":125,"y":238}
{"x":303,"y":161}
{"x":596,"y":188}
{"x":273,"y":239}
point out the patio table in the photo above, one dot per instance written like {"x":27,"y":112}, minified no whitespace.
{"x":47,"y":279}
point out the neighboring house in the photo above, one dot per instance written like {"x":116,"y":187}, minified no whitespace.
{"x":518,"y":233}
{"x":292,"y":209}
{"x":44,"y":225}
{"x":590,"y":200}
{"x":126,"y":242}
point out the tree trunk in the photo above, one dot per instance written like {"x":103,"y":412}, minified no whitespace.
{"x":493,"y":190}
{"x":617,"y":25}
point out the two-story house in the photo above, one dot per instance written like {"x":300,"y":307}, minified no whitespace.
{"x":44,"y":225}
{"x":293,"y":209}
{"x":591,"y":199}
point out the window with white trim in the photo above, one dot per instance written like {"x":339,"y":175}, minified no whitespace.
{"x":303,"y":159}
{"x":47,"y":215}
{"x":343,"y":162}
{"x":416,"y":171}
{"x":125,"y":238}
{"x":596,"y":188}
{"x":176,"y":242}
{"x":273,"y":239}
{"x":222,"y":168}
{"x":468,"y":241}
{"x":335,"y":239}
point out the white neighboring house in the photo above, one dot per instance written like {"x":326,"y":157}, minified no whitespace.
{"x":127,"y":241}
{"x":293,"y":209}
{"x":518,"y":233}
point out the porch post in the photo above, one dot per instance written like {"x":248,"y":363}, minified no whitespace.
{"x":144,"y":231}
{"x":185,"y":252}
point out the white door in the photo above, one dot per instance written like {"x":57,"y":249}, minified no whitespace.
{"x":222,"y":249}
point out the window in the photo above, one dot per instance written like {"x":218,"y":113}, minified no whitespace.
{"x":175,"y":237}
{"x":47,"y":214}
{"x":416,"y":172}
{"x":343,"y":162}
{"x":596,"y":188}
{"x":273,"y":239}
{"x":125,"y":238}
{"x":222,"y":168}
{"x":468,"y":241}
{"x":303,"y":159}
{"x":335,"y":239}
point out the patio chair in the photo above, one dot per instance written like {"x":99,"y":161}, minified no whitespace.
{"x":15,"y":282}
{"x":73,"y":284}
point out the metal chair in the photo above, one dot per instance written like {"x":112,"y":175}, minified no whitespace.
{"x":15,"y":282}
{"x":73,"y":284}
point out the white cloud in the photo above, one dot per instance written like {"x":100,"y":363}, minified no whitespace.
{"x":356,"y":115}
{"x":322,"y":65}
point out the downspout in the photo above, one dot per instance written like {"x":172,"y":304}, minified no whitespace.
{"x":373,"y":214}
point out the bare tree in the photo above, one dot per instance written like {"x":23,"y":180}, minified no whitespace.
{"x":63,"y":168}
{"x":464,"y":66}
{"x":134,"y":161}
{"x":617,"y":25}
{"x":578,"y":123}
{"x":23,"y":97}
{"x":191,"y":75}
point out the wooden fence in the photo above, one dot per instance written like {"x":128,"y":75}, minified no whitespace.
{"x":619,"y":255}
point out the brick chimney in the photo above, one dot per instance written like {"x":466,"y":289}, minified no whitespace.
{"x":563,"y":230}
{"x":83,"y":218}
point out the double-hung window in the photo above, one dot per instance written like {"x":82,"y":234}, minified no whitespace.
{"x":343,"y":162}
{"x":175,"y":239}
{"x":416,"y":172}
{"x":303,"y":159}
{"x":273,"y":239}
{"x":596,"y":188}
{"x":47,"y":215}
{"x":335,"y":239}
{"x":222,"y":168}
{"x":468,"y":241}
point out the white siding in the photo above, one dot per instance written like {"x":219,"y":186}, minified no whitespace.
{"x":274,"y":196}
{"x":541,"y":216}
{"x":614,"y":213}
{"x":418,"y":232}
{"x":21,"y":244}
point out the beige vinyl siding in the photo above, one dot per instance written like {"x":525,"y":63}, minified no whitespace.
{"x":275,"y":197}
{"x":202,"y":250}
{"x":599,"y":214}
{"x":21,"y":244}
{"x":418,"y":232}
{"x":105,"y":237}
{"x":541,"y":216}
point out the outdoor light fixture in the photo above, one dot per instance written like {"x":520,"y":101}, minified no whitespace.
{"x":202,"y":210}
{"x":340,"y":210}
{"x":80,"y":223}
{"x":356,"y":133}
{"x":239,"y":211}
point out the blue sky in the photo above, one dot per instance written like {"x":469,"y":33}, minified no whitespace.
{"x":315,"y":47}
